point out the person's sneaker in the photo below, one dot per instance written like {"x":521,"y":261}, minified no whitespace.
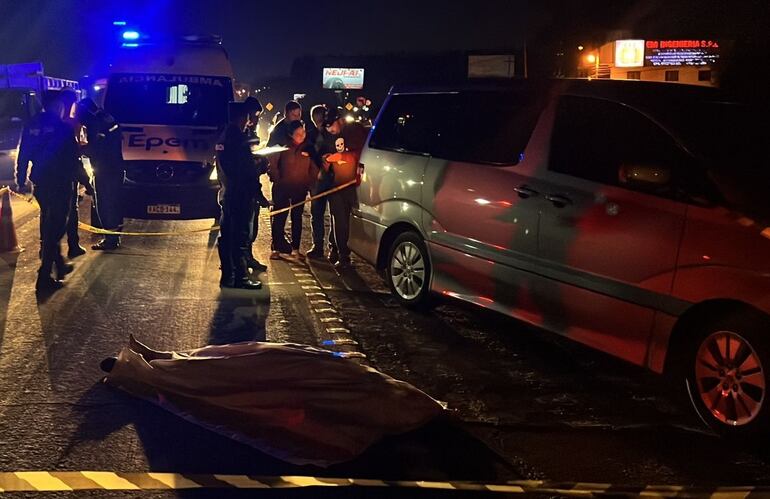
{"x":47,"y":285}
{"x":296,"y":253}
{"x":255,"y":265}
{"x":275,"y":255}
{"x":76,"y":251}
{"x":105,"y":245}
{"x":63,"y":270}
{"x":315,"y":253}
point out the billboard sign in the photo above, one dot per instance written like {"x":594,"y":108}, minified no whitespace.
{"x":491,"y":66}
{"x":629,"y":53}
{"x":343,"y":78}
{"x":680,"y":52}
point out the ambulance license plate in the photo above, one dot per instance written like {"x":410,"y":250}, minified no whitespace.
{"x":164,"y":209}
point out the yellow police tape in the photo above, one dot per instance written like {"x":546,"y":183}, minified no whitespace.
{"x":96,"y":230}
{"x":55,"y":481}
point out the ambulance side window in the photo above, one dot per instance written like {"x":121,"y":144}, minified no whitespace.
{"x":177,"y":94}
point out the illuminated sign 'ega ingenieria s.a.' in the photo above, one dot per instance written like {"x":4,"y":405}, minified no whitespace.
{"x":637,"y":53}
{"x":680,"y":52}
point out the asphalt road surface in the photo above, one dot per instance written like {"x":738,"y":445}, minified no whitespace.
{"x":521,"y":404}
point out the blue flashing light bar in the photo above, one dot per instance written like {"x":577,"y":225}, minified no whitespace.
{"x":119,"y":23}
{"x":130,"y":45}
{"x":130,"y":35}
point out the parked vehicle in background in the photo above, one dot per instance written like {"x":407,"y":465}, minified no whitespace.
{"x":21,"y":86}
{"x":171,"y":100}
{"x":628,"y":216}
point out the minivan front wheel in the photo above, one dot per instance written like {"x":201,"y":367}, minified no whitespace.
{"x":727,"y":375}
{"x":408,"y":271}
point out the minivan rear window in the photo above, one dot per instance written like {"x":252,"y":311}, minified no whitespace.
{"x":488,"y":127}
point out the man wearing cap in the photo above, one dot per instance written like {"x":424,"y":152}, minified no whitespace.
{"x":254,"y":109}
{"x":239,"y":175}
{"x":340,"y":146}
{"x":104,"y":149}
{"x":48,"y":143}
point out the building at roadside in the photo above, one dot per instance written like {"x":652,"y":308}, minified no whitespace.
{"x":693,"y":62}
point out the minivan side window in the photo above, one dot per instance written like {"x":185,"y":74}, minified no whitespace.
{"x":409,"y":123}
{"x":482,"y":127}
{"x":612,"y":144}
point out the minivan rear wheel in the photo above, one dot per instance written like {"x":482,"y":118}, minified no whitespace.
{"x":727,"y":374}
{"x":408,"y":271}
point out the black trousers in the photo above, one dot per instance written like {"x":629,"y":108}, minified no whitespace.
{"x":55,"y":204}
{"x":341,"y":204}
{"x":73,"y":238}
{"x":108,"y":186}
{"x":253,"y":228}
{"x":234,"y":236}
{"x":317,"y":215}
{"x":282,"y":198}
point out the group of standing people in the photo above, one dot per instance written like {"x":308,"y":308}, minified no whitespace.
{"x":314,"y":157}
{"x":321,"y":155}
{"x":51,"y":144}
{"x":309,"y":157}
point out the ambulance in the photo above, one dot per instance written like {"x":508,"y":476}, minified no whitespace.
{"x":171,"y":100}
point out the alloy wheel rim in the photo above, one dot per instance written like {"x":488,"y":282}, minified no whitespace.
{"x":730,"y":378}
{"x":407,"y":270}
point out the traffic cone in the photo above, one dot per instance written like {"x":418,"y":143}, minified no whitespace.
{"x":8,"y":241}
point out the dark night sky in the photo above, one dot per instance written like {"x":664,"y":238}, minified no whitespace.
{"x":264,"y":37}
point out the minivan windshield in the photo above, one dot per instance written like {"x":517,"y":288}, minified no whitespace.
{"x":726,"y":137}
{"x":158,"y":99}
{"x":721,"y":131}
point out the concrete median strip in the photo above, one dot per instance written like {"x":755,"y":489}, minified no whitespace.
{"x":65,"y":481}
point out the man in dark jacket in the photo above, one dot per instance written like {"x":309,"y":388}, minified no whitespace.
{"x":254,"y":109}
{"x":48,"y":142}
{"x":318,"y":206}
{"x":104,"y":149}
{"x":240,"y":174}
{"x":280,"y":134}
{"x":69,"y":97}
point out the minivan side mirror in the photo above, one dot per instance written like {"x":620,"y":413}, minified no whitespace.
{"x":645,"y":178}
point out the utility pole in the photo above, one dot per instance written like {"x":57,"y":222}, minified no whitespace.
{"x":526,"y":70}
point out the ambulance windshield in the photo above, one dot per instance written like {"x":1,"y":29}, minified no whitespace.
{"x":158,"y":99}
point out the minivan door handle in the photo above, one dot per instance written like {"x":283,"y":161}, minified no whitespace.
{"x":525,"y":192}
{"x":558,"y":200}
